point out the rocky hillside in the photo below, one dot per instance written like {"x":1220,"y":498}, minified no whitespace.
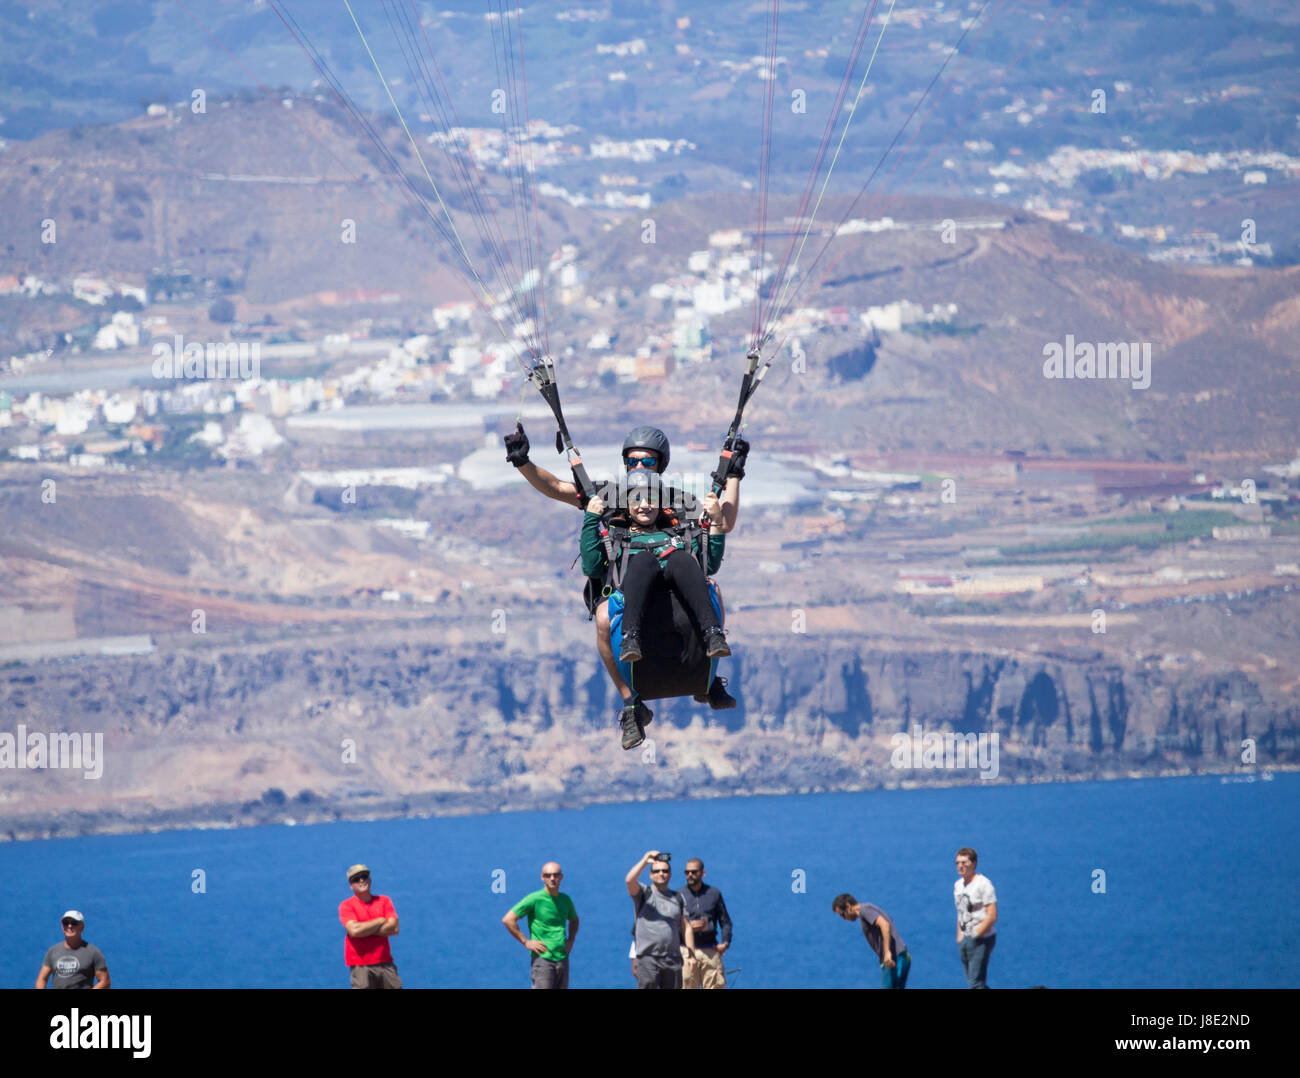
{"x":435,"y":718}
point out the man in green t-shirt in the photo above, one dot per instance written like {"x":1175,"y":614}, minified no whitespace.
{"x":548,"y":911}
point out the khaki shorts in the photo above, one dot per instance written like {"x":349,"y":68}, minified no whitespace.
{"x":378,"y":975}
{"x":708,"y":971}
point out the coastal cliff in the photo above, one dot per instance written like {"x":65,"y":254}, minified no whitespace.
{"x":408,"y":722}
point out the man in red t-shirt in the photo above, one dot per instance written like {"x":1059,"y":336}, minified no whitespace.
{"x":369,"y":921}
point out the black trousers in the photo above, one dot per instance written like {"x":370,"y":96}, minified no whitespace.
{"x":681,"y":572}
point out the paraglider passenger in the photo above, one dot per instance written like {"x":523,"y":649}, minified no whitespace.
{"x":654,"y":552}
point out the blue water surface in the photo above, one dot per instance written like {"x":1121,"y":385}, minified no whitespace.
{"x":1195,"y":892}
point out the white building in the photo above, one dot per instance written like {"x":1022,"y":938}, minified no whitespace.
{"x":74,"y":417}
{"x":118,"y":410}
{"x":254,"y":436}
{"x":91,"y":290}
{"x":122,"y":332}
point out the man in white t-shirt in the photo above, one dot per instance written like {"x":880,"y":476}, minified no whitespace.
{"x":977,"y":914}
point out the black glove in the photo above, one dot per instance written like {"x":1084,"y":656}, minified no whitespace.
{"x":517,"y":446}
{"x":739,"y":454}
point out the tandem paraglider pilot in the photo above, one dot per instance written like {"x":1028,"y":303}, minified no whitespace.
{"x":648,"y":561}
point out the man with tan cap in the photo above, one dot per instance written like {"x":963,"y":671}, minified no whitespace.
{"x":74,"y":963}
{"x":369,"y":920}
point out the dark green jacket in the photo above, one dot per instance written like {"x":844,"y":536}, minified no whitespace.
{"x":593,"y":550}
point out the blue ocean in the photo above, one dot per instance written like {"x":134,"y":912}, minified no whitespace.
{"x":1195,"y":874}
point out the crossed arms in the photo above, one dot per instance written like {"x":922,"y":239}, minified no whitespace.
{"x":379,"y":926}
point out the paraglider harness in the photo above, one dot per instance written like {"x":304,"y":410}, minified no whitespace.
{"x":617,"y":538}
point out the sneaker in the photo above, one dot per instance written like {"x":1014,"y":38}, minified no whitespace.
{"x":715,"y":644}
{"x":717,"y":698}
{"x":633,"y":735}
{"x":631,"y":648}
{"x":643,"y":714}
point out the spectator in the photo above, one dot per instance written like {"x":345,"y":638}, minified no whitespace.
{"x":548,"y":911}
{"x":882,"y":937}
{"x":74,"y":963}
{"x":977,"y":914}
{"x":707,"y":915}
{"x":369,"y":920}
{"x":661,"y":926}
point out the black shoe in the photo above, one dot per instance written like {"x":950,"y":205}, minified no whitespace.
{"x":643,"y":714}
{"x":717,"y":698}
{"x":715,"y":644}
{"x":631,"y":647}
{"x":633,"y":735}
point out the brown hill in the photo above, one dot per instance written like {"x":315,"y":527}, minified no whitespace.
{"x":253,"y":191}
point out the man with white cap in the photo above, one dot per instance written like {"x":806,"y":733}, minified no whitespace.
{"x":74,"y":963}
{"x":368,"y":920}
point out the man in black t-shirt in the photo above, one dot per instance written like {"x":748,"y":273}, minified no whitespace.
{"x":74,"y":963}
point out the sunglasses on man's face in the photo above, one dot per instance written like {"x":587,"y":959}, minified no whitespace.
{"x":71,"y":924}
{"x":552,"y":875}
{"x":358,"y":879}
{"x":643,"y":462}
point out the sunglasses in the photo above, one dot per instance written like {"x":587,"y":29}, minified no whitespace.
{"x":643,"y":462}
{"x":360,"y":877}
{"x":71,"y":924}
{"x":661,"y":872}
{"x":552,"y":875}
{"x":694,"y":871}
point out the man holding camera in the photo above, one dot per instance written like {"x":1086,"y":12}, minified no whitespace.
{"x":661,"y":925}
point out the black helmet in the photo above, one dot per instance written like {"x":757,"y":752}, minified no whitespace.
{"x":652,"y":440}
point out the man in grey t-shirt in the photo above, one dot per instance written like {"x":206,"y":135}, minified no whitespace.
{"x":882,"y":937}
{"x":661,"y":925}
{"x":74,"y":963}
